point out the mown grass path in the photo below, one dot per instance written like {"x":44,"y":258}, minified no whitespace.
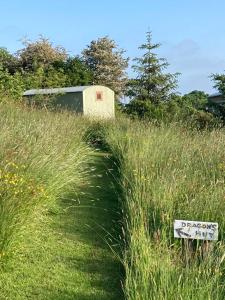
{"x":67,"y":257}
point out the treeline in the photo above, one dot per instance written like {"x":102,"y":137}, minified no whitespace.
{"x":152,"y":92}
{"x":40,"y":64}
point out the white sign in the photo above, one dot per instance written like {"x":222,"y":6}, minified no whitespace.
{"x":196,"y":230}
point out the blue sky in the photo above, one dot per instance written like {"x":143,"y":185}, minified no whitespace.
{"x":192,"y":33}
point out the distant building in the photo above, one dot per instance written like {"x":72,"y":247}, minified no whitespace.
{"x":216,"y":98}
{"x":96,"y":100}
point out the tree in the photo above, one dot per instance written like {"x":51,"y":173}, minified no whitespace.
{"x":195,"y":99}
{"x":219,"y":84}
{"x":11,"y":86}
{"x":151,"y":84}
{"x":40,"y":53}
{"x":190,"y":109}
{"x":107,"y":64}
{"x":219,"y":80}
{"x":8,"y":61}
{"x":76,"y":71}
{"x":44,"y":78}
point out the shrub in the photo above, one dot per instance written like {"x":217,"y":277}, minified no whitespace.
{"x":172,"y":111}
{"x":11,"y":86}
{"x":95,"y":134}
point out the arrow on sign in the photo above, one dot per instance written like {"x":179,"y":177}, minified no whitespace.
{"x":180,"y":232}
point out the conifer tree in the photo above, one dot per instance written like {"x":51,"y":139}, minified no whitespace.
{"x":151,"y":84}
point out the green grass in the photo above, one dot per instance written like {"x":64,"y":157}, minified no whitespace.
{"x":60,"y":218}
{"x":66,"y":255}
{"x":57,"y":210}
{"x":169,"y":173}
{"x":42,"y":156}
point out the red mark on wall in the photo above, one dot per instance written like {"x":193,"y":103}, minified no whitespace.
{"x":99,"y":96}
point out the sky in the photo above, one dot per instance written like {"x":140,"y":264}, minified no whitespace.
{"x":191,"y":32}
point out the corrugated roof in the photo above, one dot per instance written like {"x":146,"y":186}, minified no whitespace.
{"x":72,"y":89}
{"x":215,"y":95}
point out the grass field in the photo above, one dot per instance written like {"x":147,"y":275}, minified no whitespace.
{"x":58,"y":210}
{"x":66,"y":253}
{"x":65,"y":235}
{"x":42,"y":157}
{"x":170,"y":173}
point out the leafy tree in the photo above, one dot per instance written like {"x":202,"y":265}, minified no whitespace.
{"x":43,"y":65}
{"x":8,"y":61}
{"x":72,"y":72}
{"x":44,"y":78}
{"x":219,"y":80}
{"x":219,"y":84}
{"x":151,"y":84}
{"x":195,"y":99}
{"x":11,"y":86}
{"x":190,"y":109}
{"x":107,"y":64}
{"x":40,"y":53}
{"x":76,"y":71}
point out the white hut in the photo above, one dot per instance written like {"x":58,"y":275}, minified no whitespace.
{"x":95,"y":100}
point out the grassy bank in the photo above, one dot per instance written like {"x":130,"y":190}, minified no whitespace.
{"x":42,"y":157}
{"x":66,"y":254}
{"x":170,"y":173}
{"x":58,"y":209}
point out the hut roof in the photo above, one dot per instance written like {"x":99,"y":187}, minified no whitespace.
{"x":215,"y":95}
{"x":72,"y":89}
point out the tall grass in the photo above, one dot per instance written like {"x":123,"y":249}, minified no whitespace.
{"x":170,"y":173}
{"x":42,"y":157}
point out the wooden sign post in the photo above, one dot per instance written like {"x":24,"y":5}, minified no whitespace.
{"x":207,"y":231}
{"x":196,"y":230}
